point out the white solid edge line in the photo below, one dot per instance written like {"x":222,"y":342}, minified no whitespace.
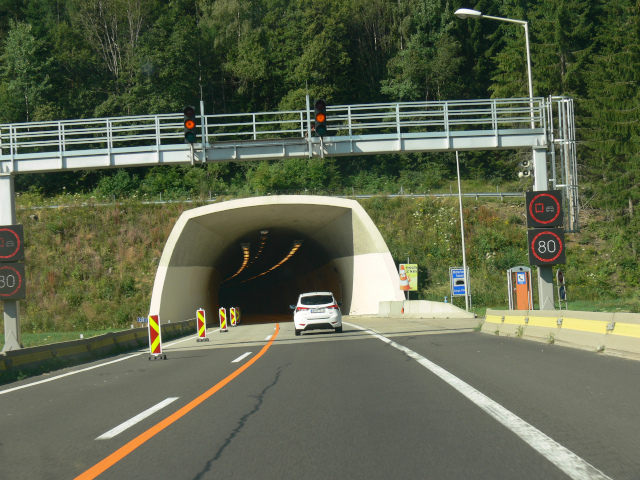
{"x":138,"y":418}
{"x":241,"y":357}
{"x":58,"y":377}
{"x":563,"y":458}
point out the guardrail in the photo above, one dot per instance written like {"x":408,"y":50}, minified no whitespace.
{"x":63,"y":353}
{"x":42,"y":139}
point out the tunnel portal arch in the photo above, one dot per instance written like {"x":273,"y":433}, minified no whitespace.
{"x":288,"y":244}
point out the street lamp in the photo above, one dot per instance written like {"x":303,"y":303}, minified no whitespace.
{"x":468,"y":13}
{"x":545,"y":272}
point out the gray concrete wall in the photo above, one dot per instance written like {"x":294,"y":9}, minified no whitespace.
{"x":612,"y":333}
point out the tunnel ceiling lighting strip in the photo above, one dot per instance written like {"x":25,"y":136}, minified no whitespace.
{"x":263,"y":241}
{"x":296,"y":245}
{"x":245,"y":260}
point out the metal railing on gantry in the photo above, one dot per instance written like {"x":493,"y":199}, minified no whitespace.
{"x":353,"y":130}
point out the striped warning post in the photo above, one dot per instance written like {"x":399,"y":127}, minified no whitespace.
{"x":202,"y":325}
{"x":155,"y":337}
{"x":223,"y":319}
{"x":232,"y":311}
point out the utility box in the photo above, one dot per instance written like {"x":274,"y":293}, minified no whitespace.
{"x":520,"y":291}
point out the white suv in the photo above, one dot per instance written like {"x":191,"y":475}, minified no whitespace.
{"x":316,"y":310}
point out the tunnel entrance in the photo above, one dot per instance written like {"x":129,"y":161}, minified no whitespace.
{"x":266,"y":270}
{"x":260,"y":253}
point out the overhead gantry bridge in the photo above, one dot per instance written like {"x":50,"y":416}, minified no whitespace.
{"x":544,"y":125}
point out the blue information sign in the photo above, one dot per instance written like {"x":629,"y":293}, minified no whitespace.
{"x":457,"y":280}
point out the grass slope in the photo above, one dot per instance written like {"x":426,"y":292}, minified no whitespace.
{"x":92,"y":267}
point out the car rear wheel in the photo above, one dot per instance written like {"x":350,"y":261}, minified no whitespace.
{"x":297,"y":332}
{"x":338,"y":329}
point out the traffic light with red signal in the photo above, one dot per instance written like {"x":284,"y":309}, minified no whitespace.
{"x":320,"y":118}
{"x":190,"y":124}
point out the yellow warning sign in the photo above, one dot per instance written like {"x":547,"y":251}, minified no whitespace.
{"x":408,"y":277}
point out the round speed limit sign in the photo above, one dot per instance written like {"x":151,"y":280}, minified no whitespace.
{"x":546,"y":247}
{"x":12,"y":285}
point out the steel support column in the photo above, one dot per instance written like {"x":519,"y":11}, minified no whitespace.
{"x":12,"y":334}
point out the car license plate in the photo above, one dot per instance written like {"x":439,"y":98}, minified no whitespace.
{"x":317,"y":310}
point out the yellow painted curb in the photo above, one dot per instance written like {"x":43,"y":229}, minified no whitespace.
{"x":547,"y":322}
{"x":514,"y":320}
{"x":593,"y":326}
{"x":627,"y":330}
{"x":32,"y":357}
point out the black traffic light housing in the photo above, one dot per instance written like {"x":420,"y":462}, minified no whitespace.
{"x":320,"y":118}
{"x":190,"y":124}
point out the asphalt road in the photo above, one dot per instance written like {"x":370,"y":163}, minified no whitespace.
{"x":427,"y":399}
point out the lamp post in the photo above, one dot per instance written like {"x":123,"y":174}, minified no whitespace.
{"x":468,"y":13}
{"x":541,"y":181}
{"x":464,"y":251}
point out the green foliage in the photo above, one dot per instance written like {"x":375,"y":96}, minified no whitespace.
{"x":86,"y":58}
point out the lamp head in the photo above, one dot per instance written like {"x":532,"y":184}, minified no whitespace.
{"x":467,"y":13}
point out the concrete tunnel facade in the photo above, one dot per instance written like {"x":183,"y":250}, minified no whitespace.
{"x":260,"y":253}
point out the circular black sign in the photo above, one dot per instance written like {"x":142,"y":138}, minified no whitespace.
{"x":544,"y":209}
{"x":11,"y":281}
{"x":546,"y":247}
{"x":11,"y":248}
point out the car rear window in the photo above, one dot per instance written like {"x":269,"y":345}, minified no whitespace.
{"x":316,"y":300}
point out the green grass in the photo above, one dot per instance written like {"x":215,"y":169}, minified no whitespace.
{"x":46,"y":338}
{"x":91,"y":268}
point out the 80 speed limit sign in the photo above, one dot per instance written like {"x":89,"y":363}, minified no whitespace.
{"x":12,"y":284}
{"x":546,"y":247}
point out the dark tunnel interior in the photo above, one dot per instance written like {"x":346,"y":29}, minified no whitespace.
{"x":265,"y":271}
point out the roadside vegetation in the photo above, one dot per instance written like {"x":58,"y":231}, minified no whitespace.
{"x":91,"y":265}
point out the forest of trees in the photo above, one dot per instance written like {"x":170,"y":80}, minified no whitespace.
{"x":62,"y":59}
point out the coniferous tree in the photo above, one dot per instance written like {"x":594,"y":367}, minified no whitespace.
{"x":612,"y":129}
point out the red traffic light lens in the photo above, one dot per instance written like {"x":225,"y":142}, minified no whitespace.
{"x":189,"y":124}
{"x":189,"y":111}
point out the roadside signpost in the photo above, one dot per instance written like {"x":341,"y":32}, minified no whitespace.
{"x":459,"y":282}
{"x":545,"y":237}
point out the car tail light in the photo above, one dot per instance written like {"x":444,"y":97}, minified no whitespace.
{"x":300,"y":309}
{"x":333,"y":306}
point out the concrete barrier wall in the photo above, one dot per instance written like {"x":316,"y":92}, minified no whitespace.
{"x":421,"y":309}
{"x":89,"y":348}
{"x":611,"y":333}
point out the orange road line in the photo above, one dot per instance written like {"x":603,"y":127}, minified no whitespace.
{"x":125,"y":450}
